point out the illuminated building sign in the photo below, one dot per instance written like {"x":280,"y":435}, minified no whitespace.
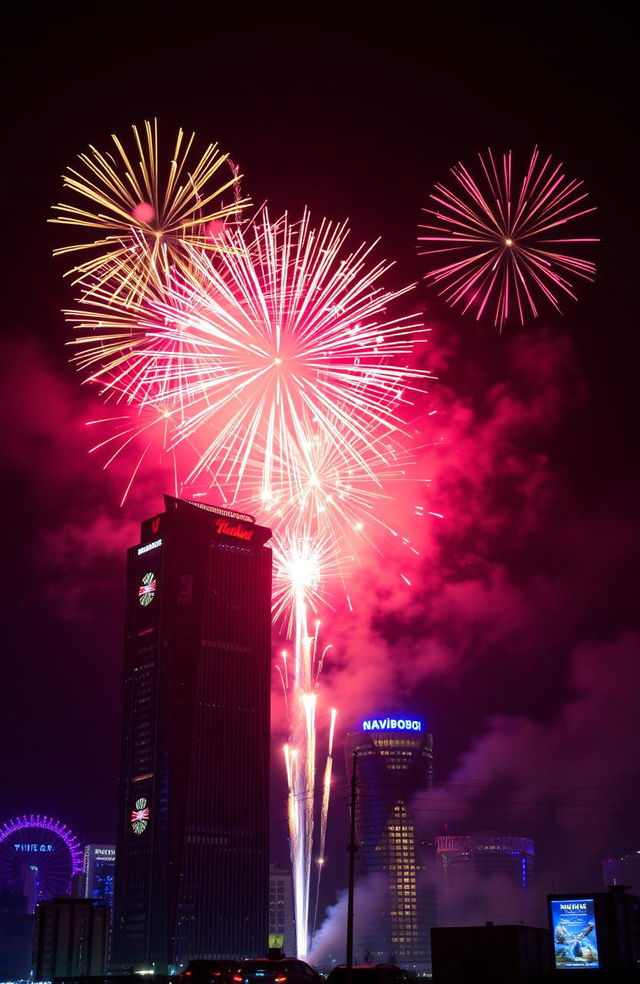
{"x":147,"y":589}
{"x":33,"y":848}
{"x":230,"y":529}
{"x":392,"y":724}
{"x":140,"y":816}
{"x":573,"y":925}
{"x":146,"y":547}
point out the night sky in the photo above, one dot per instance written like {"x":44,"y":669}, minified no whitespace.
{"x":519,"y":639}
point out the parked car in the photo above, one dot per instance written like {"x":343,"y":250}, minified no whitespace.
{"x":286,"y":970}
{"x":209,"y":972}
{"x":372,"y":974}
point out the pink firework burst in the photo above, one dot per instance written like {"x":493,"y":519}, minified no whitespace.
{"x":504,"y":239}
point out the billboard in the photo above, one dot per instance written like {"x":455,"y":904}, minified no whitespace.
{"x":575,"y":942}
{"x":388,"y":723}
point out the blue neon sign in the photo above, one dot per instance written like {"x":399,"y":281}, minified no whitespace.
{"x":389,"y":723}
{"x":32,"y":848}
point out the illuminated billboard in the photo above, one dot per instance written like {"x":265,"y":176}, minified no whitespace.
{"x":147,"y":589}
{"x":395,"y":723}
{"x":575,"y":941}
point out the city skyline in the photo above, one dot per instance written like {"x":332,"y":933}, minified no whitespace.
{"x":520,"y":623}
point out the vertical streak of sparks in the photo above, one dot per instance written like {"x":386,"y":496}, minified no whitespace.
{"x":300,"y":761}
{"x":324,"y":812}
{"x":301,"y":776}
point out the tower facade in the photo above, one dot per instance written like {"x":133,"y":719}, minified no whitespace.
{"x":394,"y":763}
{"x":98,"y":869}
{"x":282,"y":933}
{"x":192,"y":863}
{"x":485,"y":877}
{"x":71,"y":939}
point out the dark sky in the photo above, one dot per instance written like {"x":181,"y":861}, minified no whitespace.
{"x":519,"y":639}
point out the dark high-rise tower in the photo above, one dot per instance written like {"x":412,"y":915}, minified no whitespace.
{"x":192,"y":860}
{"x":394,"y":762}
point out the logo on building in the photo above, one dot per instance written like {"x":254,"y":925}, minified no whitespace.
{"x":140,"y":816}
{"x":231,"y":529}
{"x":147,"y":589}
{"x":392,"y":724}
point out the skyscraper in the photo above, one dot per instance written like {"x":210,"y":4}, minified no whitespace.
{"x":394,"y":762}
{"x":192,"y":863}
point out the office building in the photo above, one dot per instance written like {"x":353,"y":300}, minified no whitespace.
{"x":71,"y":939}
{"x":192,"y":863}
{"x":395,"y":853}
{"x":485,"y":877}
{"x":281,"y":918}
{"x":16,"y":935}
{"x":99,"y":869}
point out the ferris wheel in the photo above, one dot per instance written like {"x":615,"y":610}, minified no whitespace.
{"x":38,"y":857}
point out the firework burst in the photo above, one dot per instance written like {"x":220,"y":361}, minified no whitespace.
{"x":283,"y":340}
{"x":504,"y":241}
{"x":137,"y":216}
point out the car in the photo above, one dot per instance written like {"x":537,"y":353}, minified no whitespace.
{"x":283,"y":970}
{"x":371,"y":974}
{"x":209,"y":971}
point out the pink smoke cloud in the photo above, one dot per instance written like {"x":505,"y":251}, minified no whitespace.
{"x":494,"y":487}
{"x":568,"y":781}
{"x":76,"y":524}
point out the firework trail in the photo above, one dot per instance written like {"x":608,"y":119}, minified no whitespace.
{"x":501,"y":239}
{"x":324,"y":812}
{"x":300,"y":763}
{"x":151,"y":427}
{"x":136,"y":218}
{"x":275,"y":360}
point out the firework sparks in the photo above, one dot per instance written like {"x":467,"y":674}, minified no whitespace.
{"x":150,"y":427}
{"x":324,"y":812}
{"x":281,"y":341}
{"x":297,"y":333}
{"x":504,"y":242}
{"x":300,"y":762}
{"x":137,"y":218}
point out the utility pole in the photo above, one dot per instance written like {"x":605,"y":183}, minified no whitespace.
{"x":353,"y":847}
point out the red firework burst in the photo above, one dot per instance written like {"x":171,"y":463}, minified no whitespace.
{"x":502,"y":237}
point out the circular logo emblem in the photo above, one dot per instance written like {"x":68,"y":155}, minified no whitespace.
{"x":140,"y":816}
{"x":147,"y":589}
